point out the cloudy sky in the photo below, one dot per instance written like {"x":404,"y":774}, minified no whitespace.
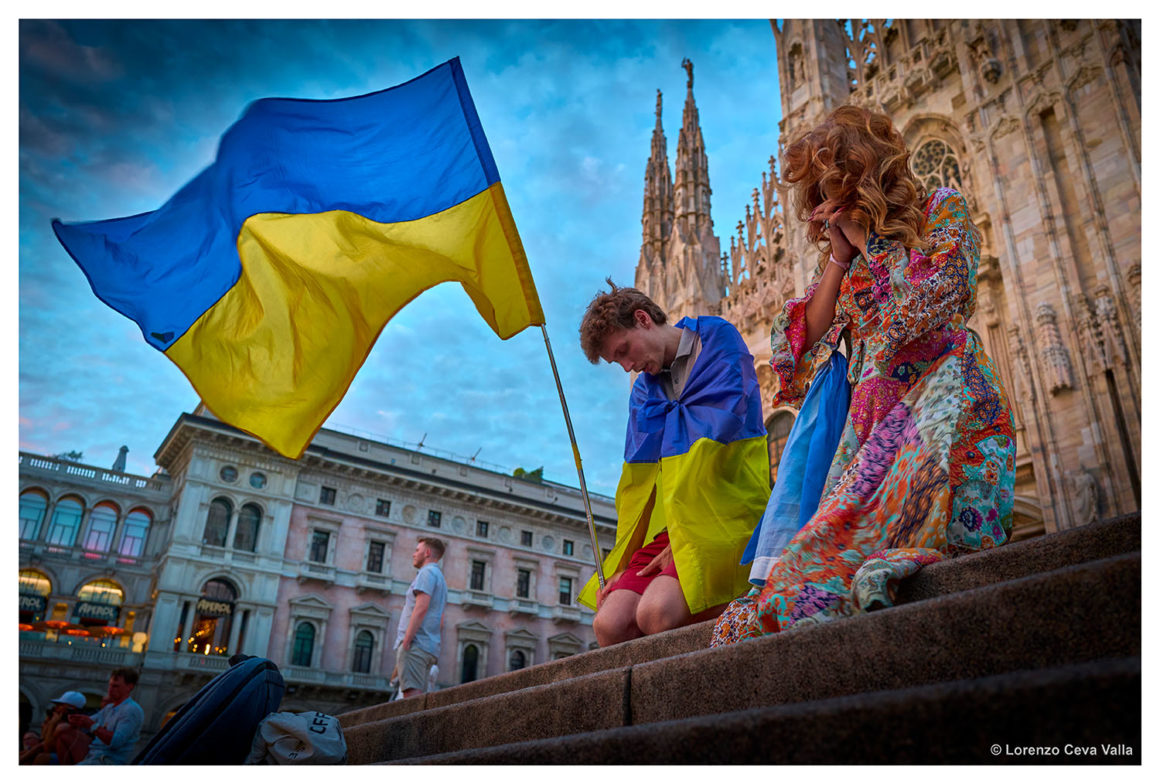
{"x":115,"y":116}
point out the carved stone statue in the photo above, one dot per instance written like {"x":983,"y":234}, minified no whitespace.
{"x":1086,"y":496}
{"x":687,"y":64}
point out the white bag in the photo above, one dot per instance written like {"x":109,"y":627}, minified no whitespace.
{"x":310,"y":738}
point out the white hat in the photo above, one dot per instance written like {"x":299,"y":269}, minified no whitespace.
{"x":73,"y":698}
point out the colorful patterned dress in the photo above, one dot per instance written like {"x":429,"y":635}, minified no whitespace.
{"x":926,"y":464}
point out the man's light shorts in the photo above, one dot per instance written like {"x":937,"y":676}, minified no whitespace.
{"x":412,"y":666}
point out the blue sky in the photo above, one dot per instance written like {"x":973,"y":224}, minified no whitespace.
{"x":115,"y":116}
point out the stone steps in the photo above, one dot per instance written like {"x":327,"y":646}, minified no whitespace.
{"x":1015,"y":560}
{"x":903,"y":726}
{"x":1040,"y":625}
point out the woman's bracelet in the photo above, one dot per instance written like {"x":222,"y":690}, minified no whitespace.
{"x":844,"y":265}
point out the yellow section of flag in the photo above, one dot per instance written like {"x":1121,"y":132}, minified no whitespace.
{"x":316,"y":290}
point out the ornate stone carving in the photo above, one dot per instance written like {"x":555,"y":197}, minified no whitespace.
{"x":759,"y":280}
{"x":1108,"y":324}
{"x":989,"y":67}
{"x":1085,"y":75}
{"x":1057,"y":364}
{"x":1134,"y":292}
{"x":795,"y":73}
{"x":1024,"y":387}
{"x":942,"y":64}
{"x":1091,"y":343}
{"x":987,"y":310}
{"x":1006,"y":125}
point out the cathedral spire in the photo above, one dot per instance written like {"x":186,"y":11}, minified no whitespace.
{"x":657,"y":218}
{"x":691,"y":192}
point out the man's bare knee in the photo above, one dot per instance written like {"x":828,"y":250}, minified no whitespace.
{"x":615,"y":621}
{"x":662,"y":607}
{"x":657,"y":617}
{"x":610,"y":630}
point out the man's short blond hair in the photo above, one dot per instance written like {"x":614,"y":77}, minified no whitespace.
{"x":610,"y":311}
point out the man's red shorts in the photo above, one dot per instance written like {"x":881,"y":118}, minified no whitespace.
{"x":630,"y":581}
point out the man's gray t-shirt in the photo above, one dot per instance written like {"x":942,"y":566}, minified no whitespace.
{"x":430,"y":581}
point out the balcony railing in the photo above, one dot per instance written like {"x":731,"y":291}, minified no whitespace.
{"x":85,"y":652}
{"x":308,"y":570}
{"x":524,"y":606}
{"x":89,"y":472}
{"x":343,"y":680}
{"x":77,"y":553}
{"x":476,"y":599}
{"x":368,"y":581}
{"x":201,"y":662}
{"x":563,"y":612}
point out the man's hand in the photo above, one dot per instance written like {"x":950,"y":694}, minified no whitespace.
{"x":80,"y":721}
{"x":659,"y":563}
{"x":422,"y":603}
{"x":609,"y":584}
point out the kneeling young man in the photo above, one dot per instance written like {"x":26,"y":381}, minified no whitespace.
{"x":696,"y":466}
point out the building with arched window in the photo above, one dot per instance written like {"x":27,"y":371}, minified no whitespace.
{"x":230,"y":548}
{"x":89,"y":545}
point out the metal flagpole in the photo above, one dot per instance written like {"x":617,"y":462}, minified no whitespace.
{"x":576,"y":454}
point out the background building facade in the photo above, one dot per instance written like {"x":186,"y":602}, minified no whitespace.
{"x":1037,"y":123}
{"x":303,"y":562}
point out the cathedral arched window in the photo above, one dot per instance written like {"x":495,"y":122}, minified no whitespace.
{"x":217,"y":523}
{"x":937,"y":166}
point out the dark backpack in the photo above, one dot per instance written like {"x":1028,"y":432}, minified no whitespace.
{"x":216,"y":727}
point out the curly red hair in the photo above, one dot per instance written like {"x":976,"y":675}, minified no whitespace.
{"x":856,"y":158}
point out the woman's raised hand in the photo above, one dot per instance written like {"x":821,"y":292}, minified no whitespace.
{"x":846,"y":237}
{"x":829,"y":215}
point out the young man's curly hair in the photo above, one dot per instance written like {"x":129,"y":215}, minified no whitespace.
{"x":857,"y":157}
{"x":608,"y":312}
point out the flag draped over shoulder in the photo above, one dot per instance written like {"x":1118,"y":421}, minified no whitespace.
{"x":268,"y":278}
{"x":697,"y":466}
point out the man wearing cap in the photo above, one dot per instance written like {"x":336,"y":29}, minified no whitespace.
{"x":55,"y":732}
{"x":117,"y":726}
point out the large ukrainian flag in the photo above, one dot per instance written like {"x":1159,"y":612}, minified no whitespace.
{"x":268,"y":278}
{"x":697,"y":466}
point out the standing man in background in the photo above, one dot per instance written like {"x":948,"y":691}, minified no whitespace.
{"x":417,"y":642}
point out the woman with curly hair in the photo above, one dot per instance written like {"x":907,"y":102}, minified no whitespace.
{"x":924,"y":468}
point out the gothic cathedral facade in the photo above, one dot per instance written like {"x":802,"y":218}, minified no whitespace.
{"x":1037,"y":123}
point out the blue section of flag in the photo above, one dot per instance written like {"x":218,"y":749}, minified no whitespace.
{"x":805,"y":465}
{"x":717,"y":402}
{"x":400,"y":154}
